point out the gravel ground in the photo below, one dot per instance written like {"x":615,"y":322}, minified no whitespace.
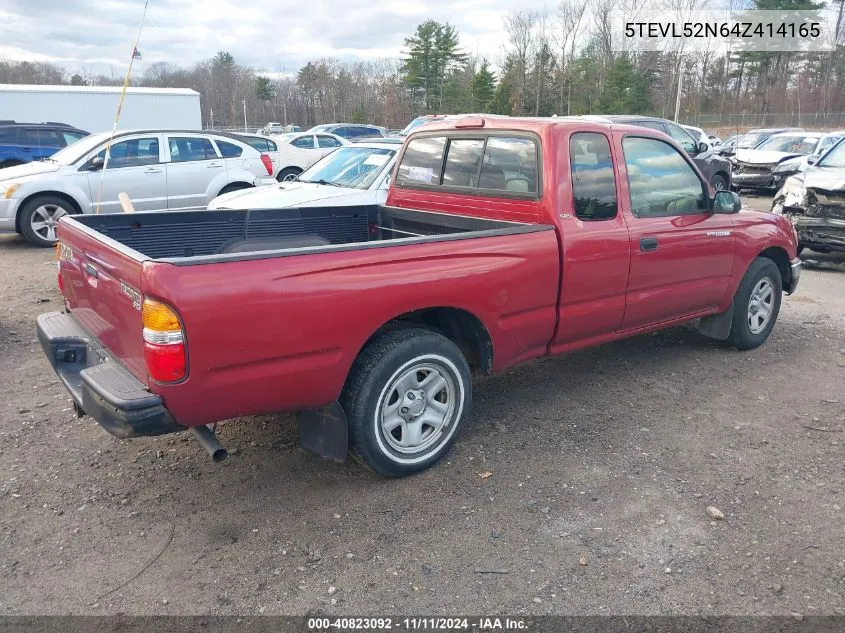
{"x":603,"y":465}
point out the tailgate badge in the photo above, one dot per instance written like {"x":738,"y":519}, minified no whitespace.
{"x":133,"y":294}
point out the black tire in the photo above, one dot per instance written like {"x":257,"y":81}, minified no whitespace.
{"x":801,"y":248}
{"x":34,"y":209}
{"x":288,"y":173}
{"x":235,"y":186}
{"x":719,"y":182}
{"x":374,"y":385}
{"x":743,"y":335}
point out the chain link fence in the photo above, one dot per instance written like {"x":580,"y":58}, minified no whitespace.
{"x":745,"y":121}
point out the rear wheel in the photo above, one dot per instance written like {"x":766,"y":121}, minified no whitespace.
{"x":39,"y":219}
{"x":406,"y":400}
{"x":235,"y":186}
{"x":719,"y":182}
{"x":756,"y":304}
{"x":288,"y":173}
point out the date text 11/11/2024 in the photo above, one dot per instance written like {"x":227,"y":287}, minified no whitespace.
{"x":418,"y":624}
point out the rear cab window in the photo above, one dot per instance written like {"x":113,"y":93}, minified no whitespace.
{"x":593,"y":180}
{"x":500,"y":164}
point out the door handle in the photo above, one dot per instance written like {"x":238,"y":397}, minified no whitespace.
{"x":648,"y":243}
{"x":213,"y":165}
{"x":152,"y":170}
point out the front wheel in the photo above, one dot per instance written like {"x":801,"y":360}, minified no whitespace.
{"x":406,"y":399}
{"x":756,"y":304}
{"x":39,"y":219}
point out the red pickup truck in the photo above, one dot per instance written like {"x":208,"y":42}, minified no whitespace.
{"x":501,"y":240}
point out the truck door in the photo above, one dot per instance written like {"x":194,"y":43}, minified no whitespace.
{"x":681,"y":254}
{"x":596,"y":249}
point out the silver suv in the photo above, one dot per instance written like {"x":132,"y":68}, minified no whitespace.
{"x":158,"y":170}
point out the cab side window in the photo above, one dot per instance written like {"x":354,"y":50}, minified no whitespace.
{"x":660,"y":180}
{"x":593,"y":181}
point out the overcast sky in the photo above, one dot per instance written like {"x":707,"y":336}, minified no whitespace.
{"x":272,"y":36}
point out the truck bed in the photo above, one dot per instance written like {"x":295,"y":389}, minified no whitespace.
{"x":194,"y":237}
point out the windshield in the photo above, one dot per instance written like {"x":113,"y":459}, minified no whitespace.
{"x":72,"y":153}
{"x":354,"y":167}
{"x":792,"y":143}
{"x":414,"y":124}
{"x":751,"y":140}
{"x":835,"y":157}
{"x":826,"y":143}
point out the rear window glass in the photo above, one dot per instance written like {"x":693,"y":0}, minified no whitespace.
{"x":462,"y":162}
{"x":494,"y":163}
{"x":422,"y":162}
{"x":229,"y":150}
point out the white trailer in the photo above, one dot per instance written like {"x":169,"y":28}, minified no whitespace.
{"x":93,"y":108}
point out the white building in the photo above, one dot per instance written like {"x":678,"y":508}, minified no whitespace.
{"x":93,"y":108}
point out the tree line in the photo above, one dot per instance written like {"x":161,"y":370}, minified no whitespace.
{"x":553,"y":63}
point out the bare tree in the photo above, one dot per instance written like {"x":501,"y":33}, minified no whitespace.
{"x":519,"y":26}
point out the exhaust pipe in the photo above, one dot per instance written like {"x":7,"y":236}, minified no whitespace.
{"x":208,"y":440}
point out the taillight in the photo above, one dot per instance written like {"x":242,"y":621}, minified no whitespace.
{"x":268,"y":164}
{"x":164,"y":342}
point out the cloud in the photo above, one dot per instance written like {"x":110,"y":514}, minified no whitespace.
{"x":98,"y":34}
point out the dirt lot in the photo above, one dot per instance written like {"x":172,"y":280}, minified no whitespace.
{"x":603,"y":464}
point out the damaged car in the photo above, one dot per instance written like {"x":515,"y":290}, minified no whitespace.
{"x":756,"y":168}
{"x":814,"y":200}
{"x":792,"y":166}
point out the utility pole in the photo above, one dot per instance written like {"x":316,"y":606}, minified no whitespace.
{"x":678,"y":96}
{"x":244,"y":102}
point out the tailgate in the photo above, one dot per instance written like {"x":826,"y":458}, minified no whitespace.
{"x":101,"y":281}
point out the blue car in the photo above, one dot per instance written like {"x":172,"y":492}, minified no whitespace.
{"x":25,"y":142}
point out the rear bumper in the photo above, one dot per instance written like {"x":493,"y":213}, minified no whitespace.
{"x":99,"y":385}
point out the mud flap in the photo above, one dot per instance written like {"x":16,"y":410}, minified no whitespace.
{"x":325,"y":432}
{"x":717,"y":326}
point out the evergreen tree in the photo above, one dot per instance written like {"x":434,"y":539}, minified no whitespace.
{"x":483,"y":88}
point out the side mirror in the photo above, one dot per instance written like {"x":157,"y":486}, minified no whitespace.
{"x":812,"y":159}
{"x":97,"y":163}
{"x":727,"y":202}
{"x":702,"y":147}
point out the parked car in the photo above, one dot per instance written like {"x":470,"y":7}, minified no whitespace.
{"x":726,"y":148}
{"x":21,"y":143}
{"x":420,"y":120}
{"x":159,"y":170}
{"x":699,"y":135}
{"x":814,"y":201}
{"x":716,"y":169}
{"x":274,"y":128}
{"x":715,"y":141}
{"x":501,"y":240}
{"x":350,"y":131}
{"x":755,"y":168}
{"x":352,"y":175}
{"x":753,"y":138}
{"x":298,"y":151}
{"x":792,"y":166}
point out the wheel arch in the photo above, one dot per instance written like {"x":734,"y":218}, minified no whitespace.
{"x":460,"y":326}
{"x":780,"y":257}
{"x":58,"y":194}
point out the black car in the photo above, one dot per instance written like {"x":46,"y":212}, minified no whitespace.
{"x":25,"y":142}
{"x":350,"y":131}
{"x":716,"y":169}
